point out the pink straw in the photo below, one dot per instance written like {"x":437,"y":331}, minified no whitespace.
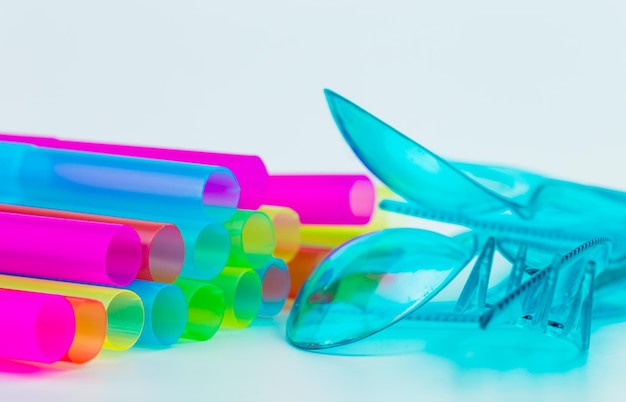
{"x":324,"y":199}
{"x":67,"y":249}
{"x":36,"y":327}
{"x":249,"y":170}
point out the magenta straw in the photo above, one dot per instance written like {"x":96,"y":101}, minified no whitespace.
{"x":249,"y":170}
{"x":69,"y":250}
{"x":36,"y":327}
{"x":324,"y":199}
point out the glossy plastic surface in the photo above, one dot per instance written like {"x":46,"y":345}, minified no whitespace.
{"x":162,"y":247}
{"x":286,"y":223}
{"x":324,"y":199}
{"x":356,"y":290}
{"x":516,"y":207}
{"x":205,"y":308}
{"x":274,"y":286}
{"x":165,"y":312}
{"x":555,"y":300}
{"x":35,"y":327}
{"x":207,"y":249}
{"x":136,"y":188}
{"x":331,"y":236}
{"x":302,"y":265}
{"x":67,"y":249}
{"x":252,"y":239}
{"x":372,"y":282}
{"x":249,"y":170}
{"x":125,"y":313}
{"x":242,"y":295}
{"x":91,"y":327}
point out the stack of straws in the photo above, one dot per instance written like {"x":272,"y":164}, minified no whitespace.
{"x":108,"y":246}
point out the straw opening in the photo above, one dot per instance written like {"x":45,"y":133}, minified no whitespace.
{"x":206,"y":312}
{"x":166,"y":254}
{"x":55,"y":326}
{"x":169,"y":315}
{"x":221,"y":194}
{"x":125,"y":316}
{"x":91,"y":324}
{"x":287,"y":231}
{"x":257,"y":239}
{"x":123,"y":256}
{"x":362,"y":198}
{"x":211,"y":250}
{"x":247,"y":298}
{"x":275,"y":285}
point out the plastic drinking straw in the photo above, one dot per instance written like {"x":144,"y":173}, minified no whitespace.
{"x":207,"y":248}
{"x":242,"y":295}
{"x":331,"y":236}
{"x":162,"y":247}
{"x":205,"y":307}
{"x":274,"y":286}
{"x":286,"y":224}
{"x":137,"y":188}
{"x":324,"y":199}
{"x":302,"y":265}
{"x":125,"y":313}
{"x":166,"y":312}
{"x":249,"y":170}
{"x":252,"y":239}
{"x":54,"y":248}
{"x":91,"y":326}
{"x":35,"y":327}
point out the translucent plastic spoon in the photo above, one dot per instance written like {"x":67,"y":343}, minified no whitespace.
{"x":514,"y":206}
{"x":378,"y":279}
{"x":372,"y":282}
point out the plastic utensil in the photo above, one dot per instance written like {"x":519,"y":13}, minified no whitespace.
{"x":436,"y":189}
{"x":373,"y":281}
{"x":358,"y":291}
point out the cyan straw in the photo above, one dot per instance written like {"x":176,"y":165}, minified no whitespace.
{"x":136,"y":188}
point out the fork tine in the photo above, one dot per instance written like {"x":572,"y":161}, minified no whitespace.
{"x":474,"y":293}
{"x":578,"y":324}
{"x":557,"y":300}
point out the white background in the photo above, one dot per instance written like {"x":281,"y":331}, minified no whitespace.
{"x":534,"y":84}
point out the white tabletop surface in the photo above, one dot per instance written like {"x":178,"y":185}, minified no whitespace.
{"x":534,"y":84}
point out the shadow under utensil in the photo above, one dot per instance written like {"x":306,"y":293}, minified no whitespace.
{"x":470,"y":347}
